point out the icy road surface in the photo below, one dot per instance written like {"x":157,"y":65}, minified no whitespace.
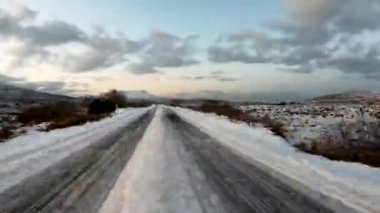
{"x":176,"y":160}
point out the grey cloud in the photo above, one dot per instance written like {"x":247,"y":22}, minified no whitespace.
{"x":216,"y":75}
{"x":163,"y":50}
{"x":8,"y":25}
{"x":217,"y":72}
{"x":25,"y":52}
{"x":257,"y":41}
{"x":53,"y":33}
{"x":314,"y":12}
{"x":10,"y":22}
{"x":226,"y":79}
{"x":78,"y":85}
{"x":195,"y":78}
{"x":54,"y":87}
{"x":94,"y":59}
{"x":34,"y":38}
{"x":351,"y":64}
{"x":102,"y":51}
{"x":140,"y":68}
{"x":158,"y":50}
{"x":319,"y":34}
{"x":41,"y":86}
{"x":44,"y":86}
{"x":220,"y":54}
{"x":88,"y":61}
{"x":21,"y":13}
{"x":303,"y":68}
{"x":357,"y":16}
{"x":295,"y":34}
{"x":101,"y":78}
{"x":303,"y":56}
{"x":349,"y":16}
{"x":133,"y":46}
{"x":8,"y":79}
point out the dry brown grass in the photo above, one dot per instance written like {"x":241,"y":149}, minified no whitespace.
{"x":369,"y":155}
{"x":74,"y":121}
{"x":5,"y":134}
{"x":59,"y":115}
{"x":47,"y":113}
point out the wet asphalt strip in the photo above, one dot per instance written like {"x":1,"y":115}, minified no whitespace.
{"x":81,"y":182}
{"x":240,"y":185}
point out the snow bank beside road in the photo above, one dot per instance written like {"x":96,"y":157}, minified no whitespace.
{"x":29,"y":154}
{"x":355,"y":185}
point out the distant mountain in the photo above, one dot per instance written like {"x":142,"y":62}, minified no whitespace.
{"x":349,"y":97}
{"x":142,"y":95}
{"x":27,"y":96}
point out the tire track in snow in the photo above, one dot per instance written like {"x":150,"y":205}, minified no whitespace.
{"x":156,"y":179}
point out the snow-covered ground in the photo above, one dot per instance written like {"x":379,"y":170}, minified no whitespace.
{"x":35,"y":151}
{"x":355,"y":185}
{"x":156,"y":178}
{"x":324,"y":123}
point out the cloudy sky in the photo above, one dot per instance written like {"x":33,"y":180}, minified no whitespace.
{"x":240,"y":49}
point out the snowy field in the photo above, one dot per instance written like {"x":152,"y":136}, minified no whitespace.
{"x":26,"y":155}
{"x":325,"y":123}
{"x":356,"y":185}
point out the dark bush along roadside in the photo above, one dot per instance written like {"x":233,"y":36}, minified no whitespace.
{"x":366,"y":154}
{"x":115,"y":97}
{"x":62,"y":115}
{"x":5,"y":134}
{"x":65,"y":114}
{"x":47,"y":113}
{"x":100,"y":106}
{"x":75,"y":121}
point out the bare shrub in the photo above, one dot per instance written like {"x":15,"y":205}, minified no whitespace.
{"x":100,"y":106}
{"x":47,"y":113}
{"x":116,"y":97}
{"x":369,"y":155}
{"x":5,"y":134}
{"x":74,"y":121}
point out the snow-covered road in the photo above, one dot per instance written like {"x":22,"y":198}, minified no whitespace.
{"x":183,"y":161}
{"x":157,"y":178}
{"x":177,"y":168}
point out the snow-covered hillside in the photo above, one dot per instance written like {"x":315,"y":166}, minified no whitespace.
{"x":349,"y":97}
{"x":13,"y":94}
{"x":15,"y":99}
